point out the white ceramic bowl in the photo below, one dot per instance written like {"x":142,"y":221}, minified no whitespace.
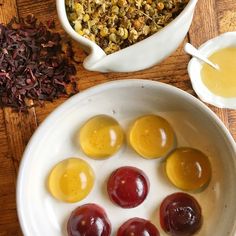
{"x":195,"y":126}
{"x":139,"y":56}
{"x":195,"y":66}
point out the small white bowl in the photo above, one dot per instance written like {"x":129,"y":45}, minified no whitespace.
{"x":195,"y":66}
{"x":139,"y":56}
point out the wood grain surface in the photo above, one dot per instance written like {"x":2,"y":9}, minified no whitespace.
{"x":211,"y":18}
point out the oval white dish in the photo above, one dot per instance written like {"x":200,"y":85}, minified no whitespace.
{"x":195,"y":125}
{"x":194,"y":69}
{"x":139,"y":56}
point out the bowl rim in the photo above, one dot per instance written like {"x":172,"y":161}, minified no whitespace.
{"x":98,"y":89}
{"x":207,"y":48}
{"x":61,"y":11}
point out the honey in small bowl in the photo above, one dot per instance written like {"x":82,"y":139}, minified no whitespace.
{"x":100,"y":137}
{"x":151,"y":136}
{"x":188,"y":169}
{"x":221,"y":82}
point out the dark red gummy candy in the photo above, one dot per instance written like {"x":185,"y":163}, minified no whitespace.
{"x":128,"y":187}
{"x":89,"y":220}
{"x":180,"y":215}
{"x":137,"y":227}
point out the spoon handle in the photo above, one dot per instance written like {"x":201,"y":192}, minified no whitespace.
{"x":190,"y":49}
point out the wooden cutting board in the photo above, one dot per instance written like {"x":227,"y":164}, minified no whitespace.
{"x":211,"y":18}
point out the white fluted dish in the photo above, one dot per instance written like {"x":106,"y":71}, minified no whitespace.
{"x":195,"y":66}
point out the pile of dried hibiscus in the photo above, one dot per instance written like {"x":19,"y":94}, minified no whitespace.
{"x":32,"y":64}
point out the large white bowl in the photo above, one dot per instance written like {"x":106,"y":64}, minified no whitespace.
{"x":139,"y":56}
{"x":194,"y":123}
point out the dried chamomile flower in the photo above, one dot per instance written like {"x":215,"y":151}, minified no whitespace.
{"x":116,"y":24}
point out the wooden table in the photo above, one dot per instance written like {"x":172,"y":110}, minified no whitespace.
{"x":212,"y":17}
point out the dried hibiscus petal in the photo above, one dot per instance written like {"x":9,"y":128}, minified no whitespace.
{"x":32,"y":63}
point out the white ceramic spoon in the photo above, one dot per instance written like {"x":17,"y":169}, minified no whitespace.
{"x":191,"y":50}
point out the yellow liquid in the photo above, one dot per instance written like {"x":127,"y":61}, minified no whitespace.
{"x":188,"y":169}
{"x":71,"y":180}
{"x":101,"y":137}
{"x":221,"y":82}
{"x":151,"y":136}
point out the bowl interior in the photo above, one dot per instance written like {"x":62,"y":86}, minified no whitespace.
{"x":195,"y":126}
{"x":61,"y":10}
